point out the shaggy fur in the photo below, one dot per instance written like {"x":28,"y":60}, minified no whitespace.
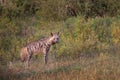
{"x":34,"y":48}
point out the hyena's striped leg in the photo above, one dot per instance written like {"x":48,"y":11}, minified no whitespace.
{"x":28,"y":60}
{"x":46,"y":56}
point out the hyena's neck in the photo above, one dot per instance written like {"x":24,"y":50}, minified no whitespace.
{"x":49,"y":41}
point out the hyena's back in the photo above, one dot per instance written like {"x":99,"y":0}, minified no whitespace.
{"x":23,"y":53}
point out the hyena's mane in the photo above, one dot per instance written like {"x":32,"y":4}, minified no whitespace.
{"x":44,"y":39}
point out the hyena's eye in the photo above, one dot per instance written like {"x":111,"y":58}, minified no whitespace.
{"x":57,"y":38}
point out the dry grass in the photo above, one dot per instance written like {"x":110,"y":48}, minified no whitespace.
{"x":87,"y":51}
{"x":102,"y":67}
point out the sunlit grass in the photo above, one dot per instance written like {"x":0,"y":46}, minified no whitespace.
{"x":101,"y":67}
{"x":88,"y":50}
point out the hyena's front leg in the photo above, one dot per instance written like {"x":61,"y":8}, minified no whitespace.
{"x":28,"y":60}
{"x":45,"y":56}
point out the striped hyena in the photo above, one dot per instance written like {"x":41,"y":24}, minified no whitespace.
{"x":34,"y":48}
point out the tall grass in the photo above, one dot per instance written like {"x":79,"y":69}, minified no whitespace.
{"x":88,"y":50}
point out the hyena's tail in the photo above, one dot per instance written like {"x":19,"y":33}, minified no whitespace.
{"x":23,"y":54}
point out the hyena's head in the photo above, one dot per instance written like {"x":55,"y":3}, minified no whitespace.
{"x":54,"y":38}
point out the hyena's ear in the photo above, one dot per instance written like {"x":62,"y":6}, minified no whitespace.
{"x":58,"y":33}
{"x":51,"y":34}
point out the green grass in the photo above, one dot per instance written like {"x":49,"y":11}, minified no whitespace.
{"x":88,"y":50}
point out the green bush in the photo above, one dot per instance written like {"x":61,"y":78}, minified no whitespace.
{"x":24,"y":21}
{"x":57,"y":10}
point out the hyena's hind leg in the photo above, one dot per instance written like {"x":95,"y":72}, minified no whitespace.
{"x":28,"y":60}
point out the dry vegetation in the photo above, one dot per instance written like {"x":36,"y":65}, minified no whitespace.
{"x":87,"y":51}
{"x":102,"y":67}
{"x":89,"y":47}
